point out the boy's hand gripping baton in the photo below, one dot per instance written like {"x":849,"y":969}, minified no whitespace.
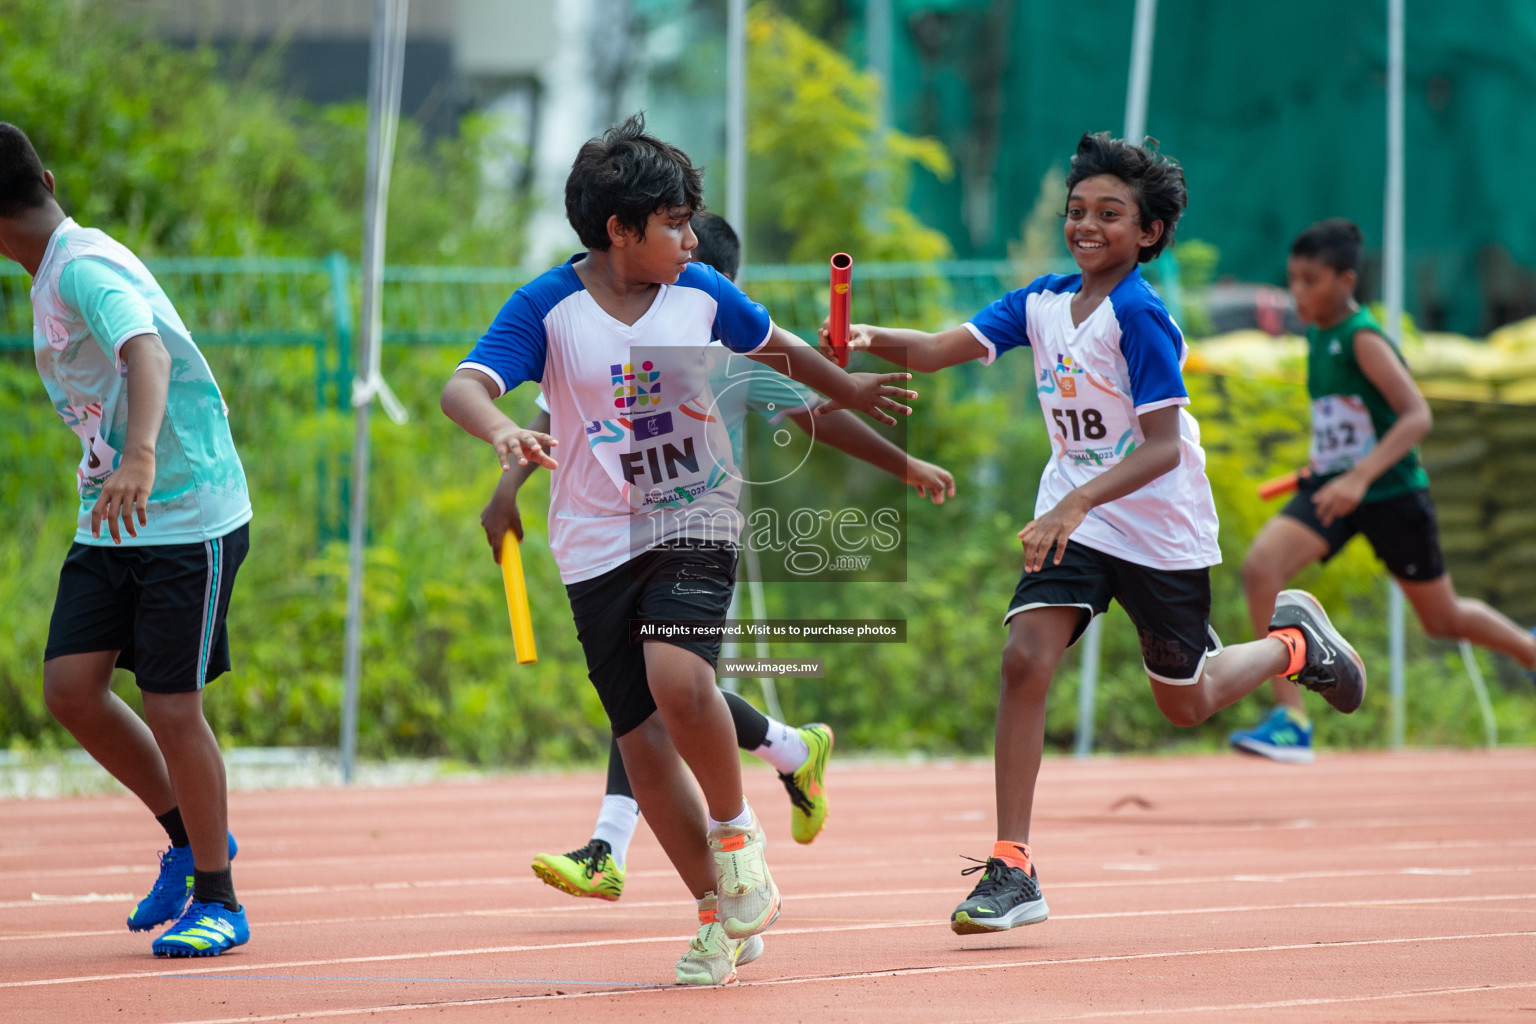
{"x":842,"y":289}
{"x":517,"y":599}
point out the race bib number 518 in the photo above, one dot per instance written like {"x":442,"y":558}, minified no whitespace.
{"x":1089,"y":421}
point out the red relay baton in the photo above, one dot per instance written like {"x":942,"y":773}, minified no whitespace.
{"x":842,"y":293}
{"x":1281,"y":484}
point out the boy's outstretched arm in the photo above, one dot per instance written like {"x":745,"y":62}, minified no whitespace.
{"x":870,"y":393}
{"x":916,"y":350}
{"x":846,"y":432}
{"x":1377,"y":360}
{"x":469,"y":400}
{"x":1156,"y":455}
{"x":500,"y":513}
{"x":125,"y":495}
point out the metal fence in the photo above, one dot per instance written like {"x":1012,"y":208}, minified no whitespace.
{"x":312,"y":303}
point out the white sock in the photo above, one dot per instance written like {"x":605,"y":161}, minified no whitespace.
{"x":616,"y":824}
{"x":784,"y":748}
{"x":741,"y":820}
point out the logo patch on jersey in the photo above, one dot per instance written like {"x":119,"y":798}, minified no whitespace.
{"x":645,"y":427}
{"x":57,"y":336}
{"x":1335,"y":347}
{"x":1068,"y":387}
{"x":635,"y":389}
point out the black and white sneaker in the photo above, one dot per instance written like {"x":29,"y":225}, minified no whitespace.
{"x":1006,"y":897}
{"x":1332,"y":669}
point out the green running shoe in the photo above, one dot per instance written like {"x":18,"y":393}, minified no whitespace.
{"x":589,"y":871}
{"x":807,"y":785}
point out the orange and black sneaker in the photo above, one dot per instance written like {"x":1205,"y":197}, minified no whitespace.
{"x":1331,"y":667}
{"x":807,"y":785}
{"x":589,"y":871}
{"x":1006,"y":897}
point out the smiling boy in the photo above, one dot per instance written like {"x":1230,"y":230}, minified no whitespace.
{"x":643,"y":521}
{"x":1123,"y":511}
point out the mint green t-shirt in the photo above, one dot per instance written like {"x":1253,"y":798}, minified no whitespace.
{"x":89,"y":297}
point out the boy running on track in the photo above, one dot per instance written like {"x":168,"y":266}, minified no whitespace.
{"x":1124,"y":510}
{"x":643,"y":523}
{"x":798,"y":754}
{"x":1365,"y":477}
{"x":159,"y":472}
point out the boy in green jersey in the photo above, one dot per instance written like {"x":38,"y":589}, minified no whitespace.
{"x":1367,"y":419}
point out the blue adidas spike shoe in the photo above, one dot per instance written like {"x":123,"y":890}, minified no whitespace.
{"x":168,"y":896}
{"x":205,"y":929}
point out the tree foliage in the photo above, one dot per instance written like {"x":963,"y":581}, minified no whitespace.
{"x":151,"y":143}
{"x":824,"y":177}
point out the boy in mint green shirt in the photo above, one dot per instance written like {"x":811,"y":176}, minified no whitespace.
{"x":1365,"y":477}
{"x":161,"y":532}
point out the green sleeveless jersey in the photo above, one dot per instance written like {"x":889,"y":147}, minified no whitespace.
{"x":1349,"y":414}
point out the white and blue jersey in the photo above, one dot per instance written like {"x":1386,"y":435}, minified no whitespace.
{"x":645,"y":457}
{"x":1093,"y":380}
{"x":90,"y":296}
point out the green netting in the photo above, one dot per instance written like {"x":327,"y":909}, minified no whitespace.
{"x":1276,"y":110}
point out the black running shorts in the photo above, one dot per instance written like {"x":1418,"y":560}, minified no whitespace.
{"x":1171,"y":608}
{"x":674,"y":582}
{"x":1402,"y":530}
{"x":160,"y":606}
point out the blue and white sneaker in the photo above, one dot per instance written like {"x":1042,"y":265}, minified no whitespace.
{"x":205,"y":929}
{"x":1278,"y":737}
{"x":168,"y":896}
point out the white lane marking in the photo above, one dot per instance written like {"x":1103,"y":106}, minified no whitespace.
{"x":611,"y":994}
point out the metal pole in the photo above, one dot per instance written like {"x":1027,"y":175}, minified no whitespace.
{"x":386,"y":64}
{"x":736,"y":121}
{"x":1392,"y":299}
{"x":1395,"y":658}
{"x":1136,"y":91}
{"x":878,"y":46}
{"x":1087,"y":687}
{"x":1139,"y":84}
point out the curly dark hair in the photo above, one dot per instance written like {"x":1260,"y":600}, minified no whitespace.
{"x":628,"y":174}
{"x":22,"y":187}
{"x":1336,"y":242}
{"x":1157,"y":181}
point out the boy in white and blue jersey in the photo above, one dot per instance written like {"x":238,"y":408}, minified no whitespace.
{"x":597,"y":869}
{"x":643,"y":518}
{"x":158,"y":470}
{"x":1123,"y":511}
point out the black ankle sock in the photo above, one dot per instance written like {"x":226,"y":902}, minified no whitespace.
{"x":171,"y":822}
{"x":214,"y":887}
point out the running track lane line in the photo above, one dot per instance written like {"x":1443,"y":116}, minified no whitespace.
{"x":441,"y":915}
{"x":1343,"y":1000}
{"x":225,"y":968}
{"x":1140,"y":882}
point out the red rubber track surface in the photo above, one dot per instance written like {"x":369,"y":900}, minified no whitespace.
{"x":1366,"y":887}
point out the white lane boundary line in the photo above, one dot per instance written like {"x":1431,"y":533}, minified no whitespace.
{"x":915,"y":971}
{"x":1278,"y":1004}
{"x":438,"y":954}
{"x":597,"y":908}
{"x":1140,"y":881}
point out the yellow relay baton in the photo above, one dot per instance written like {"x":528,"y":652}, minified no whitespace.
{"x":517,"y":599}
